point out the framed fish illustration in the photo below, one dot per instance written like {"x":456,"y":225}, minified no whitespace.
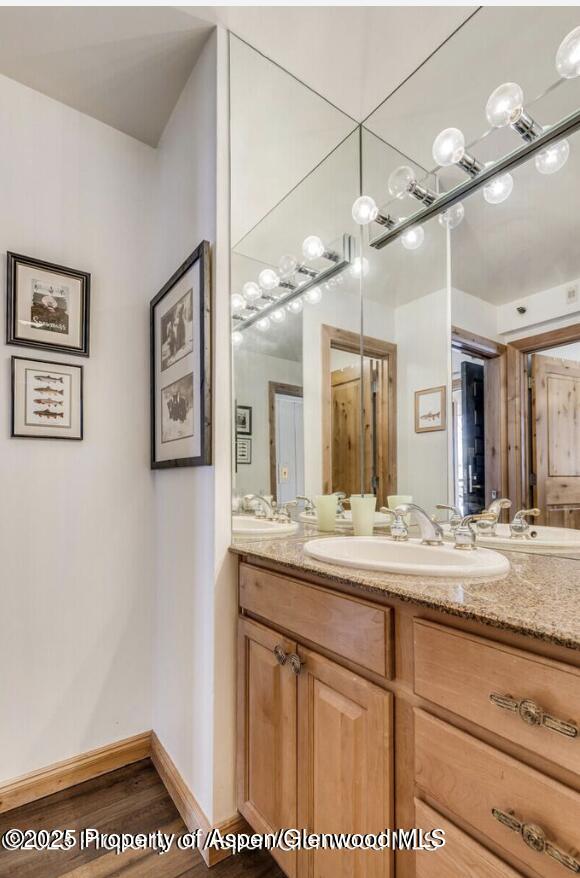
{"x":47,"y":399}
{"x":431,"y":409}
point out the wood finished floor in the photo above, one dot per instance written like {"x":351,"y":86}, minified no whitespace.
{"x":133,"y":800}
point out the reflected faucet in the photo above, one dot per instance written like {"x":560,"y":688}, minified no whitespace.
{"x":520,"y":528}
{"x":489,"y":525}
{"x":267,"y":509}
{"x":431,"y":531}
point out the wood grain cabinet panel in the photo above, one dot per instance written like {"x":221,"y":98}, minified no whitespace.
{"x":530,"y":700}
{"x":480,"y":784}
{"x":353,"y":629}
{"x":461,"y":856}
{"x":345,"y":766}
{"x":266,"y":759}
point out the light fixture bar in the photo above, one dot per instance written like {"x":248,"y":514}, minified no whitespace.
{"x":519,"y":156}
{"x":320,"y":277}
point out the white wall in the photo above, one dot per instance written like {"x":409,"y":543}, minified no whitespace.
{"x":254,"y":372}
{"x":473,"y":314}
{"x":76,"y":522}
{"x":546,"y":309}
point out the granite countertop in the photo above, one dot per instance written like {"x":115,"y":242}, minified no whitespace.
{"x":539,"y":597}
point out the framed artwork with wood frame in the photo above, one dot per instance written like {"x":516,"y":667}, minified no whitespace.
{"x":47,"y":305}
{"x":47,"y":399}
{"x":180,"y":337}
{"x":431,"y":409}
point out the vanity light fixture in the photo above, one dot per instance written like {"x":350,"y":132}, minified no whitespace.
{"x":263,"y":324}
{"x":278,"y":316}
{"x":449,"y":149}
{"x":295,"y":306}
{"x":237,"y":302}
{"x":268,"y":279}
{"x":568,"y":55}
{"x":403,"y":182}
{"x":554,"y":157}
{"x":287,"y":265}
{"x":365,"y":211}
{"x":498,"y":189}
{"x":313,"y":248}
{"x":413,"y":238}
{"x":359,"y":266}
{"x":313,"y":295}
{"x":237,"y":338}
{"x":452,"y":217}
{"x":251,"y":291}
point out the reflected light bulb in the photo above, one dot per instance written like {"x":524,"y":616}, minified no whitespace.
{"x":263,"y":324}
{"x":268,"y":279}
{"x":505,"y":105}
{"x":312,"y":247}
{"x":451,"y":217}
{"x":554,"y":157}
{"x":364,"y":210}
{"x":237,"y":338}
{"x":413,"y":238}
{"x":287,"y":265}
{"x":237,"y":302}
{"x":498,"y":189}
{"x":449,"y":147}
{"x":295,"y":306}
{"x":251,"y":291}
{"x":568,"y":55}
{"x":313,"y":295}
{"x":279,"y":315}
{"x":401,"y":180}
{"x":357,"y":267}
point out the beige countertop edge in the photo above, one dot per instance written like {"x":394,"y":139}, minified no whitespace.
{"x":539,"y":598}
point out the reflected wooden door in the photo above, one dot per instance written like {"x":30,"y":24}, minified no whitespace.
{"x":556,"y":440}
{"x":346,"y":428}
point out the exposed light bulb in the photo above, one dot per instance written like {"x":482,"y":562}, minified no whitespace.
{"x":251,"y":291}
{"x":312,"y":247}
{"x":498,"y":189}
{"x":237,"y":302}
{"x":451,"y":217}
{"x":313,"y":295}
{"x":278,"y":316}
{"x":568,"y":55}
{"x":400,"y":181}
{"x":359,"y":267}
{"x":295,"y":306}
{"x":268,"y":279}
{"x":449,"y":147}
{"x":553,"y":158}
{"x":287,"y":265}
{"x":364,"y":210}
{"x":505,"y":105}
{"x":237,"y":338}
{"x":263,"y":324}
{"x":413,"y":238}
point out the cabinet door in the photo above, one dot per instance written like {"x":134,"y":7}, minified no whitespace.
{"x":344,"y":766}
{"x":266,"y":733}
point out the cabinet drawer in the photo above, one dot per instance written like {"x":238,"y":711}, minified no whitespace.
{"x":525,"y":698}
{"x":348,"y":627}
{"x":461,"y":855}
{"x":533,"y":817}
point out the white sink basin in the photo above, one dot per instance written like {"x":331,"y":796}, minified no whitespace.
{"x":546,"y":540}
{"x":381,"y":520}
{"x":248,"y":526}
{"x":411,"y":557}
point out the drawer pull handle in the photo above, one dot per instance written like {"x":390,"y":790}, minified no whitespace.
{"x":280,"y":655}
{"x":295,"y":663}
{"x":535,"y":838}
{"x":532,"y":714}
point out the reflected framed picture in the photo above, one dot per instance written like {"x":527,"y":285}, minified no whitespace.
{"x":180,"y":335}
{"x":244,"y":420}
{"x":47,"y":305}
{"x":47,"y":399}
{"x":431,"y":409}
{"x":243,"y":450}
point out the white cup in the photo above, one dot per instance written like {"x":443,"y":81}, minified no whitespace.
{"x":363,"y":514}
{"x":326,"y":505}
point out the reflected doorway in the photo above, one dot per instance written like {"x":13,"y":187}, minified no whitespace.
{"x":286,"y":414}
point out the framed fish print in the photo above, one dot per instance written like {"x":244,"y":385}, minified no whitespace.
{"x":431,"y":409}
{"x":180,"y":334}
{"x":47,"y":306}
{"x":47,"y":399}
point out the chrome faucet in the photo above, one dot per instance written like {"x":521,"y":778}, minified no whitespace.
{"x":456,"y":516}
{"x":399,"y":530}
{"x":308,"y":504}
{"x":495,"y":507}
{"x":431,"y":531}
{"x":465,"y":535}
{"x":519,"y":527}
{"x":283,"y":512}
{"x":267,"y":508}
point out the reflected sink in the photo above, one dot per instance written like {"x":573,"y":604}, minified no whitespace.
{"x":546,"y":540}
{"x":381,"y":520}
{"x":248,"y":526}
{"x":411,"y":557}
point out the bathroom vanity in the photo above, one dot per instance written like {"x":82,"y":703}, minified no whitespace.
{"x":368,"y":701}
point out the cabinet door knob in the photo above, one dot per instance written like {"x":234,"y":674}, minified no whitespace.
{"x":295,"y":663}
{"x":280,"y":654}
{"x":533,"y":715}
{"x":535,"y":838}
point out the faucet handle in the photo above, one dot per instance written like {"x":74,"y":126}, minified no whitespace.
{"x":519,"y":527}
{"x":399,"y":529}
{"x":465,"y":536}
{"x":456,"y":514}
{"x":308,"y":504}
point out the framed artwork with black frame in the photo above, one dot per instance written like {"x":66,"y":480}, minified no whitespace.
{"x":180,"y":336}
{"x":243,"y":450}
{"x":243,"y":420}
{"x":47,"y":399}
{"x":47,"y":305}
